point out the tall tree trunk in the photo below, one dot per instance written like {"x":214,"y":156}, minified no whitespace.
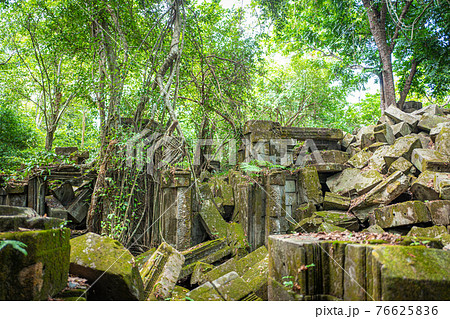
{"x":407,"y":85}
{"x":388,"y":80}
{"x":377,"y":22}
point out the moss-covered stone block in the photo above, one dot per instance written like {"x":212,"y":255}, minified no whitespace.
{"x":407,"y":213}
{"x":385,"y":192}
{"x":219,"y":271}
{"x":377,"y":162}
{"x":360,"y":159}
{"x":309,"y":188}
{"x":352,"y":181}
{"x":439,"y":211}
{"x":232,"y":287}
{"x":308,"y":225}
{"x":335,"y":201}
{"x":207,"y":252}
{"x":161,"y":272}
{"x":413,"y":273}
{"x":428,"y":122}
{"x":328,"y":228}
{"x":226,"y":192}
{"x":246,"y":263}
{"x":205,"y":292}
{"x":303,"y":211}
{"x":213,"y":221}
{"x":340,"y":219}
{"x":401,"y":129}
{"x":237,"y":239}
{"x":399,"y":116}
{"x":425,"y":187}
{"x":433,"y":232}
{"x":179,"y":293}
{"x":144,"y":257}
{"x":443,"y":141}
{"x":200,"y":269}
{"x":42,"y":272}
{"x":374,"y":229}
{"x":400,"y":164}
{"x":355,"y":273}
{"x":383,"y":133}
{"x":257,"y":277}
{"x":107,"y":263}
{"x":402,"y":147}
{"x":428,"y":159}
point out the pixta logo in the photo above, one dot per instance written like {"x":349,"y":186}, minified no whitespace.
{"x":157,"y":151}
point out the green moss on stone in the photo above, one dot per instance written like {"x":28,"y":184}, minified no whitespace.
{"x":94,"y":256}
{"x":42,"y":272}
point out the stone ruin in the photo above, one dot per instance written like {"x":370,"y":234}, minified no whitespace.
{"x":329,"y":216}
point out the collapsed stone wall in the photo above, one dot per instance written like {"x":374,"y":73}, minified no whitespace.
{"x":390,"y":179}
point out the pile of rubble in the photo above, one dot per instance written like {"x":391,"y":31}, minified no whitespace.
{"x":398,"y":175}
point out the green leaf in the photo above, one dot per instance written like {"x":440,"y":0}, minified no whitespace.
{"x":17,"y":245}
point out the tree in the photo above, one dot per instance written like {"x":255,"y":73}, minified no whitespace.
{"x":302,"y":93}
{"x":51,"y":77}
{"x":376,"y":36}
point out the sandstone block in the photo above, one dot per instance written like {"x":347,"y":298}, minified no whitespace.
{"x":161,"y":272}
{"x":439,"y":211}
{"x":407,"y":213}
{"x":430,"y":160}
{"x":399,"y":116}
{"x":360,"y":159}
{"x":443,"y":142}
{"x":402,"y":147}
{"x":95,"y":257}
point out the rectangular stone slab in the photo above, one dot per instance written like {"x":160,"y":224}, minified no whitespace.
{"x":360,"y":159}
{"x":428,"y":122}
{"x":305,"y":133}
{"x":219,"y":271}
{"x":402,"y":147}
{"x":443,"y":141}
{"x":430,"y":160}
{"x":399,"y":116}
{"x":215,"y":225}
{"x":425,"y":187}
{"x":439,"y":211}
{"x":161,"y":272}
{"x":246,"y":263}
{"x":232,"y":287}
{"x":79,"y":207}
{"x":424,"y":272}
{"x":205,"y":292}
{"x":385,"y":192}
{"x":335,"y":201}
{"x":384,"y":133}
{"x":309,"y":188}
{"x":407,"y":213}
{"x":257,"y":277}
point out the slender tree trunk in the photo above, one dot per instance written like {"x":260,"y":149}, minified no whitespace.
{"x":407,"y":85}
{"x":49,"y":138}
{"x":382,"y":100}
{"x":83,"y":129}
{"x":93,"y":220}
